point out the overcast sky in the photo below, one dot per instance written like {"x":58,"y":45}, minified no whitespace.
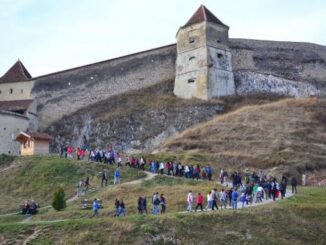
{"x":53,"y":35}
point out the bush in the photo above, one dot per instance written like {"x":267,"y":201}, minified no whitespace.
{"x":59,"y":201}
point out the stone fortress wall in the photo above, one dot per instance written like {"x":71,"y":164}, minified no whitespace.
{"x":287,"y":68}
{"x":64,"y":92}
{"x":11,"y":124}
{"x":220,"y":65}
{"x":16,"y":91}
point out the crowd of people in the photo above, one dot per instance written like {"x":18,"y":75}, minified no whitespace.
{"x":29,"y":207}
{"x":173,"y":168}
{"x":253,"y":189}
{"x":244,"y":187}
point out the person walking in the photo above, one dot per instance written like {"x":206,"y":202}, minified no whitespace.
{"x":243,"y":199}
{"x":79,"y":188}
{"x":282,"y":189}
{"x":161,"y":168}
{"x":199,"y":202}
{"x":163,"y":204}
{"x":121,"y":208}
{"x":234,"y":199}
{"x":214,"y":199}
{"x":284,"y":182}
{"x":104,"y":177}
{"x":155,"y":203}
{"x":209,"y":200}
{"x":223,"y":199}
{"x":95,"y":207}
{"x":116,"y":205}
{"x":116,"y":176}
{"x":209,"y":172}
{"x":189,"y":201}
{"x":87,"y":184}
{"x":294,"y":184}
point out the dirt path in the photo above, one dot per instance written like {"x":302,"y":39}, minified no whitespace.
{"x":254,"y":204}
{"x":149,"y":176}
{"x":31,"y":237}
{"x":7,"y":168}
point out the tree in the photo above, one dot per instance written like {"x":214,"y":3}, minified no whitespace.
{"x":59,"y":201}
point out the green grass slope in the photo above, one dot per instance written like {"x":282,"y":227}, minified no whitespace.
{"x":36,"y":177}
{"x":298,"y":220}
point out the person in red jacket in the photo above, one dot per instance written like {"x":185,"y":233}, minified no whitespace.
{"x":79,"y":153}
{"x":199,"y":202}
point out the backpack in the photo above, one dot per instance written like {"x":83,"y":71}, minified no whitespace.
{"x":156,"y":201}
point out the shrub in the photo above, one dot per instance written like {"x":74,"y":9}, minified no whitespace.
{"x":59,"y":201}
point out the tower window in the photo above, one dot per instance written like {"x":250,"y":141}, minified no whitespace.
{"x":21,"y":91}
{"x":192,"y":57}
{"x":218,"y":41}
{"x":191,"y":80}
{"x":0,"y":91}
{"x":11,"y":91}
{"x":219,"y":56}
{"x":191,"y":39}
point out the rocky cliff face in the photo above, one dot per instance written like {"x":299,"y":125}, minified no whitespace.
{"x":248,"y":82}
{"x":134,"y":121}
{"x":285,"y":68}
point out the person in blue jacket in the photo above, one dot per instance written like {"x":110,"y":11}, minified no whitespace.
{"x":96,"y":207}
{"x":116,"y":176}
{"x":234,"y":199}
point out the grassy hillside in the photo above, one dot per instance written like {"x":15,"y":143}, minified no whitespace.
{"x":5,"y":160}
{"x":287,"y":132}
{"x":36,"y":177}
{"x":297,"y":220}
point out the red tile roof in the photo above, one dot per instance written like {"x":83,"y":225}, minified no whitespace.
{"x":36,"y":135}
{"x":40,"y":136}
{"x":16,"y":73}
{"x":15,"y":105}
{"x":203,"y":14}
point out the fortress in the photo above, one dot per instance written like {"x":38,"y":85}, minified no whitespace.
{"x":204,"y":63}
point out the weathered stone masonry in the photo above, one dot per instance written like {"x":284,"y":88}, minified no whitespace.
{"x":248,"y":66}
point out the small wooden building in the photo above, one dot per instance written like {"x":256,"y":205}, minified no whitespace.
{"x":33,"y":143}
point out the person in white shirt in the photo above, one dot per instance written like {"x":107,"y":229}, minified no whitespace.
{"x":209,"y":200}
{"x":189,"y":201}
{"x":223,"y":199}
{"x":187,"y":171}
{"x":221,"y":175}
{"x":161,"y":167}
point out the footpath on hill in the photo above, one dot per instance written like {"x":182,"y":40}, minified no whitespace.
{"x":150,"y":176}
{"x":229,"y":184}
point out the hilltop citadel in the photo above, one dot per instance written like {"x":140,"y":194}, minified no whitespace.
{"x":204,"y":64}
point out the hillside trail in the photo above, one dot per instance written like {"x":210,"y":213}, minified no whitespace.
{"x":254,"y":204}
{"x":14,"y":164}
{"x":31,"y":237}
{"x":150,"y":176}
{"x":7,"y":168}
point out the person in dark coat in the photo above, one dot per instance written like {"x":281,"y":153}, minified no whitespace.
{"x":294,"y":184}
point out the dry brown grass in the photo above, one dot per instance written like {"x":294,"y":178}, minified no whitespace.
{"x":289,"y":131}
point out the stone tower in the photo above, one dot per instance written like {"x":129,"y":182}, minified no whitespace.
{"x":203,"y":66}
